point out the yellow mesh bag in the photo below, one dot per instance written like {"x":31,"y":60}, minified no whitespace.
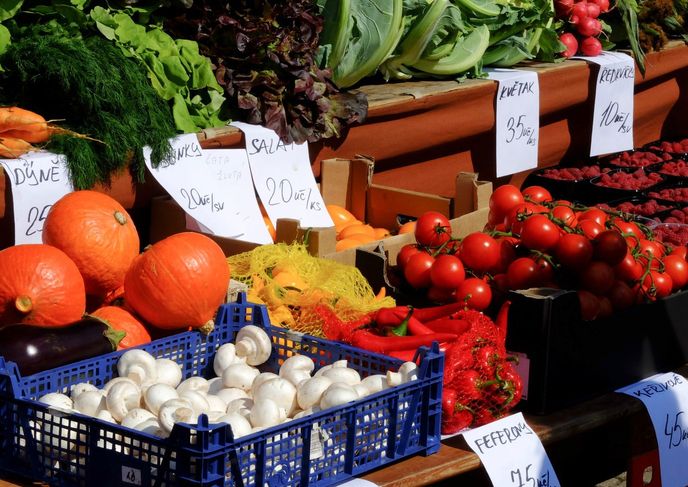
{"x":292,"y":283}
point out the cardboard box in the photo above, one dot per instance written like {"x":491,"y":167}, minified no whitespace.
{"x":568,"y":360}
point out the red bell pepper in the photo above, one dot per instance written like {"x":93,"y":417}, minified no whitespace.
{"x":383,"y":344}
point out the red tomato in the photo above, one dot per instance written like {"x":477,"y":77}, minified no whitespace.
{"x":573,"y":250}
{"x":545,"y":271}
{"x":476,"y":293}
{"x":681,"y":251}
{"x":501,"y":282}
{"x":523,"y":273}
{"x":432,"y":229}
{"x":627,"y":228}
{"x":447,"y":272}
{"x":590,"y":228}
{"x":597,"y":277}
{"x":589,"y":304}
{"x":621,"y":295}
{"x":610,"y":247}
{"x":405,"y":254}
{"x":507,"y":252}
{"x":513,"y":221}
{"x":594,"y":214}
{"x":677,"y":268}
{"x":651,"y":253}
{"x":438,"y":295}
{"x":480,"y":252}
{"x":566,"y":215}
{"x":503,"y":199}
{"x":606,"y":307}
{"x":540,"y":233}
{"x":417,"y":270}
{"x":629,"y":269}
{"x":536,"y":194}
{"x":657,"y":285}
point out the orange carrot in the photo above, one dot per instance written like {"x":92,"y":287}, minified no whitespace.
{"x":11,"y":148}
{"x":23,"y":124}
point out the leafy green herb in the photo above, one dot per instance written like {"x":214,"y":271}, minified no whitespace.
{"x":97,"y":91}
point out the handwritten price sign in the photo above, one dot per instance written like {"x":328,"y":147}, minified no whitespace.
{"x":38,"y":180}
{"x":512,"y":453}
{"x":612,"y":126}
{"x":283,"y":177}
{"x":517,"y":120}
{"x":665,"y":397}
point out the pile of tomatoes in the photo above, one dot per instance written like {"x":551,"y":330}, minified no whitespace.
{"x":532,"y":241}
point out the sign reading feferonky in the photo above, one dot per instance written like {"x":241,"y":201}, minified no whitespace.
{"x":512,"y":453}
{"x":283,"y":177}
{"x":38,"y":180}
{"x":665,"y":397}
{"x":194,"y":186}
{"x":517,"y":120}
{"x":612,"y":122}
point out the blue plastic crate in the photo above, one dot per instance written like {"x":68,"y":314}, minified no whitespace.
{"x":321,"y":449}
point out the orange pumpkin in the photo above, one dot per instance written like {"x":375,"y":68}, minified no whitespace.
{"x":98,"y":234}
{"x":39,"y":285}
{"x":122,"y":320}
{"x":178,"y":282}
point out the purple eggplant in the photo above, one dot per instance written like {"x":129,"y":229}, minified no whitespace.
{"x":35,"y":349}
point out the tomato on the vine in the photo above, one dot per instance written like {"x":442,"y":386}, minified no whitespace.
{"x":475,"y":293}
{"x":657,"y":284}
{"x":573,"y":250}
{"x":513,"y":221}
{"x":677,"y":268}
{"x":507,"y":253}
{"x":606,"y":307}
{"x":590,"y":228}
{"x":522,"y":273}
{"x":681,"y":251}
{"x":480,"y":252}
{"x":503,"y":199}
{"x":610,"y":247}
{"x":626,"y":227}
{"x":439,"y":295}
{"x":629,"y":269}
{"x":589,"y":305}
{"x":566,"y":215}
{"x":597,"y":277}
{"x":621,"y":295}
{"x":447,"y":272}
{"x":545,"y":271}
{"x":594,"y":214}
{"x":417,"y":270}
{"x":405,"y":254}
{"x":536,"y":194}
{"x":432,"y":229}
{"x":540,"y":233}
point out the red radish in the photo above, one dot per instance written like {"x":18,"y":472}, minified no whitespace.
{"x":591,"y":46}
{"x":571,"y":43}
{"x":603,"y":4}
{"x":563,"y":7}
{"x":575,"y":19}
{"x":593,"y":10}
{"x":589,"y":27}
{"x":580,"y":10}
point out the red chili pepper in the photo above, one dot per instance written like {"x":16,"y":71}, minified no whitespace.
{"x":436,"y":312}
{"x":403,"y":328}
{"x":388,"y":317}
{"x":381,"y":344}
{"x":448,"y":325}
{"x":407,"y":355}
{"x":502,"y":319}
{"x":415,"y":327}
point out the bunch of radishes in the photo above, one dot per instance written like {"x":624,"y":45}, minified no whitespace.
{"x":582,"y":18}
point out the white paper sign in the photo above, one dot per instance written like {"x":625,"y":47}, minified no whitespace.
{"x":38,"y":180}
{"x":512,"y":453}
{"x":220,"y":207}
{"x":612,"y":122}
{"x":283,"y":177}
{"x":517,"y":120}
{"x":666,"y":398}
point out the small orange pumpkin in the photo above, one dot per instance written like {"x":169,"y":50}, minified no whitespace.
{"x":98,"y":234}
{"x":39,"y":285}
{"x":178,"y":282}
{"x":122,"y":320}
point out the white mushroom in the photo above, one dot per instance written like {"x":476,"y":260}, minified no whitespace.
{"x":138,"y":365}
{"x":152,"y":427}
{"x":117,"y":380}
{"x":240,"y":376}
{"x":135,"y":417}
{"x":169,"y":372}
{"x":176,"y":411}
{"x":279,"y":390}
{"x":240,"y":425}
{"x":262,"y":378}
{"x":253,"y":343}
{"x":337,"y":394}
{"x":306,"y":412}
{"x":198,"y":401}
{"x":408,"y":371}
{"x":215,"y":403}
{"x":361,"y":389}
{"x":105,"y":416}
{"x":310,"y":391}
{"x":57,"y":400}
{"x":297,"y":368}
{"x":214,"y":416}
{"x":240,"y":406}
{"x":224,"y":357}
{"x":343,"y":374}
{"x":121,"y":398}
{"x":231,"y":393}
{"x":215,"y":385}
{"x":266,"y":413}
{"x":157,"y":394}
{"x":337,"y":364}
{"x":77,"y":389}
{"x":198,"y":384}
{"x":90,"y":402}
{"x":375,"y":383}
